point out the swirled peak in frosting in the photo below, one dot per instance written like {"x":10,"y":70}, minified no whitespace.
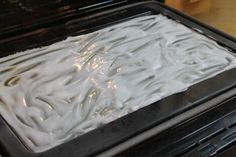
{"x":53,"y":94}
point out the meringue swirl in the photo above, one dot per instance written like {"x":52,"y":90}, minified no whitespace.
{"x":52,"y":94}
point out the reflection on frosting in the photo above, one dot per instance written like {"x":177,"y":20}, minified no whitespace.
{"x":52,"y":94}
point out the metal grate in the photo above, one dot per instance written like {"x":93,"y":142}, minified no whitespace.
{"x":206,"y":135}
{"x":209,"y":140}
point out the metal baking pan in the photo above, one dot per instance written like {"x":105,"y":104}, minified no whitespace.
{"x":131,"y":125}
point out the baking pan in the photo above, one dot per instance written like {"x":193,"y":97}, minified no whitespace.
{"x":133,"y":124}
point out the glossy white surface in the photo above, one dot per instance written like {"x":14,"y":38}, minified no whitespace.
{"x":52,"y":94}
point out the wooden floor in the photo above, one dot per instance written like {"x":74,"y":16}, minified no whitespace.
{"x":222,"y":15}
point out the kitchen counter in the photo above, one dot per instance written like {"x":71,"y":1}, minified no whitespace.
{"x":222,"y":15}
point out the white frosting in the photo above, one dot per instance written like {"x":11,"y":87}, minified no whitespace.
{"x":52,"y":94}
